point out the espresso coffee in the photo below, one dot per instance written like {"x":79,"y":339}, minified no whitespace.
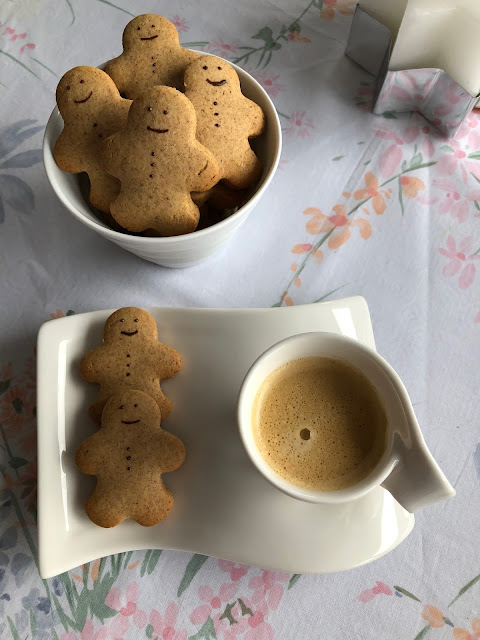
{"x":319,"y":423}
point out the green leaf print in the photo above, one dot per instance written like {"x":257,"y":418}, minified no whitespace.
{"x":406,"y":593}
{"x":227,"y":614}
{"x":293,"y":580}
{"x":245,"y":611}
{"x":207,"y":632}
{"x":465,"y":589}
{"x":422,"y":633}
{"x":416,"y":161}
{"x":193,"y":567}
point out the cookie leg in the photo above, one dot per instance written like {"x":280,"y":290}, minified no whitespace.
{"x":104,"y":509}
{"x":155,"y":506}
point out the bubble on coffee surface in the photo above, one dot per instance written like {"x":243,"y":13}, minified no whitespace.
{"x":319,"y":423}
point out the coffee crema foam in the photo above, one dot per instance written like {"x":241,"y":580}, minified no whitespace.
{"x":319,"y":423}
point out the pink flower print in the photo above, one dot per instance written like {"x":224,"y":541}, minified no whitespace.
{"x":165,"y":627}
{"x":268,"y":587}
{"x":294,"y":36}
{"x":370,"y":594}
{"x":87,"y":633}
{"x":259,"y":628}
{"x":453,"y":203}
{"x":29,"y":45}
{"x":460,"y":261}
{"x":299,"y":125}
{"x":180,"y":23}
{"x":221,"y":48}
{"x":127,"y":608}
{"x":236,"y":571}
{"x":477,"y":318}
{"x":212,"y":602}
{"x":270,"y":83}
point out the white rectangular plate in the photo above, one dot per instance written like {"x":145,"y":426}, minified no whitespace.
{"x":223,"y":506}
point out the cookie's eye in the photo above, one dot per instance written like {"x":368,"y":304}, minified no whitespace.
{"x":149,"y":108}
{"x":138,"y":28}
{"x":135,"y":405}
{"x":219,"y":68}
{"x":136,"y":320}
{"x":205,"y":67}
{"x":165,"y":112}
{"x":153,"y":26}
{"x":82,"y":81}
{"x":122,"y":320}
{"x":68,"y":87}
{"x":121,"y":406}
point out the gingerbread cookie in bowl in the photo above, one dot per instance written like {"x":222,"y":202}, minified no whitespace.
{"x":128,"y":455}
{"x":226,"y":119}
{"x":131,"y":357}
{"x":92,"y":109}
{"x":152,"y":55}
{"x":159,"y":162}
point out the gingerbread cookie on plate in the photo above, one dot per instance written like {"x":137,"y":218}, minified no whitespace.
{"x":131,"y":357}
{"x":128,"y":455}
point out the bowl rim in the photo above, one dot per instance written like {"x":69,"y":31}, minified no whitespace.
{"x":47,"y":149}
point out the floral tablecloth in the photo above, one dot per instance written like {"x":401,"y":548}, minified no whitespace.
{"x":381,"y":207}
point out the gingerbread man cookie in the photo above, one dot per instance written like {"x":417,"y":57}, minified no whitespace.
{"x":92,"y":110}
{"x":128,"y":455}
{"x":152,"y":55}
{"x":159,"y":163}
{"x":226,"y":119}
{"x":130,"y":358}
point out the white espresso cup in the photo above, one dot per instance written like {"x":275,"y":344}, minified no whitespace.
{"x":407,"y":469}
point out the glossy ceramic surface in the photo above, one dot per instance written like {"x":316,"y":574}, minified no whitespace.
{"x":223,"y":505}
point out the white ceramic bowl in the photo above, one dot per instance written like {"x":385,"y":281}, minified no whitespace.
{"x":175,"y":251}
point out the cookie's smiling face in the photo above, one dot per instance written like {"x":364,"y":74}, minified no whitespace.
{"x":148,"y":29}
{"x":129,"y":409}
{"x":212,"y":74}
{"x":130,"y":324}
{"x":84,"y":86}
{"x":160,"y":113}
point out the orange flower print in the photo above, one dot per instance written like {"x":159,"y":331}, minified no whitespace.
{"x":463,"y":634}
{"x":338,"y":224}
{"x":345,"y":7}
{"x":433,"y":616}
{"x":411,"y":186}
{"x":372,"y":191}
{"x":295,"y":36}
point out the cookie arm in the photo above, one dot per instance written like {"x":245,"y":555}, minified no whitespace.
{"x":91,"y":364}
{"x":168,"y":361}
{"x":171,"y":452}
{"x":111,"y":154}
{"x":87,"y":458}
{"x":257,"y":119}
{"x":207,"y":171}
{"x":62,"y":152}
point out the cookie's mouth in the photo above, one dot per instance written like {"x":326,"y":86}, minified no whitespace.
{"x":151,"y":38}
{"x":157,"y":131}
{"x":130,"y":421}
{"x":85,"y":99}
{"x":216,"y":83}
{"x":129,"y":333}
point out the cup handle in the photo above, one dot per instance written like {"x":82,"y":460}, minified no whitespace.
{"x":416,"y":480}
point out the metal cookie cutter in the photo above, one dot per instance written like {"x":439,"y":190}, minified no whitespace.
{"x":432,"y":92}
